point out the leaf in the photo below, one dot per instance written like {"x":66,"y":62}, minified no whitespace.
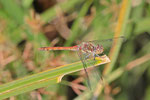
{"x":45,"y":78}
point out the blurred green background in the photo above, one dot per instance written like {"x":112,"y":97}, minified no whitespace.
{"x":26,"y":25}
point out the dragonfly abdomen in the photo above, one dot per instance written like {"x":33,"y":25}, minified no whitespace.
{"x":58,"y":48}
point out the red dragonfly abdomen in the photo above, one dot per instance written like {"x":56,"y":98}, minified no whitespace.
{"x":74,"y":48}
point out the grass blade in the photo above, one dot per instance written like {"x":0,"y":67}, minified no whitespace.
{"x":45,"y":78}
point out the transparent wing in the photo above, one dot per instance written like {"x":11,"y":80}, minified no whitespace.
{"x":108,"y":43}
{"x":82,"y":57}
{"x":95,"y":77}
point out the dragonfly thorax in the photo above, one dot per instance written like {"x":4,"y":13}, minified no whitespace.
{"x":88,"y":47}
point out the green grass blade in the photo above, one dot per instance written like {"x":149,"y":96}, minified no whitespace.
{"x":119,"y":31}
{"x":13,"y":10}
{"x":27,"y":3}
{"x":76,"y":25}
{"x":51,"y":13}
{"x":45,"y":78}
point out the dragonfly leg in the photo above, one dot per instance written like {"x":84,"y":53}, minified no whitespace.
{"x":87,"y":56}
{"x":95,"y":55}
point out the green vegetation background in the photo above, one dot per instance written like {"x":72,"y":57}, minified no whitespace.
{"x":23,"y":30}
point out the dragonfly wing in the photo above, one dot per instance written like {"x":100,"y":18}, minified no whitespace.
{"x":95,"y":74}
{"x":82,"y":57}
{"x":108,"y":43}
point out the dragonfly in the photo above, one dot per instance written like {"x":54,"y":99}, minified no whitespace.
{"x":89,"y":49}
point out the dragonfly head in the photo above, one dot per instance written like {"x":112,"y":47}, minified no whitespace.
{"x":99,"y":49}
